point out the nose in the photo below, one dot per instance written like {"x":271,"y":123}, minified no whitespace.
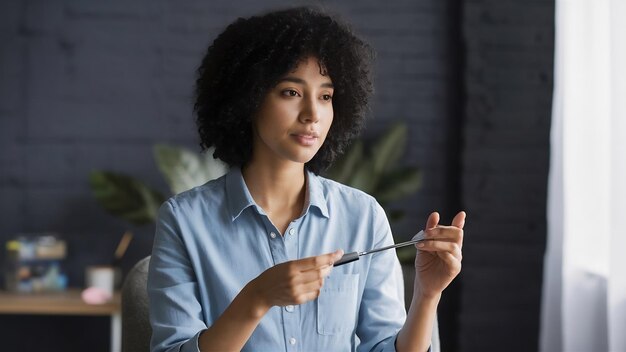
{"x":310,"y":112}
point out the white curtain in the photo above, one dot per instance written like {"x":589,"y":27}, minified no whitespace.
{"x":584,"y":291}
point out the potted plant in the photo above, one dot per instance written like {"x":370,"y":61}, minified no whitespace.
{"x":376,"y":171}
{"x":130,"y":199}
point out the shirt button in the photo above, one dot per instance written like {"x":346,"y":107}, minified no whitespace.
{"x":289,"y":308}
{"x":292,"y":341}
{"x":292,"y":231}
{"x":272,"y":235}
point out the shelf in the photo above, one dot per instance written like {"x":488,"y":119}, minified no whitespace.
{"x":67,"y":302}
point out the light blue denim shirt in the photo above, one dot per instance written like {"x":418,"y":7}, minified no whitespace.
{"x":212,"y":240}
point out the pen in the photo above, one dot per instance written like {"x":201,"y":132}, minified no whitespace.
{"x":353,"y":256}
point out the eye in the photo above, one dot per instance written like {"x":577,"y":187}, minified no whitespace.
{"x":290,"y":92}
{"x":327,"y":97}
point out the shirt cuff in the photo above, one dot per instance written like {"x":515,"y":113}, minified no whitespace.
{"x":192,"y":344}
{"x":391,"y":347}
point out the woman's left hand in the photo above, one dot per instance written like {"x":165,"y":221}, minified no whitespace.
{"x":438,"y":259}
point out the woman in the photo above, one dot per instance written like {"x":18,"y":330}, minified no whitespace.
{"x":245,"y":262}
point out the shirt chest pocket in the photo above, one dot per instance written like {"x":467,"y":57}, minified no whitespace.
{"x":337,"y":304}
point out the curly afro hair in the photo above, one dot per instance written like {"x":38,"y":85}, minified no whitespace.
{"x":252,"y":54}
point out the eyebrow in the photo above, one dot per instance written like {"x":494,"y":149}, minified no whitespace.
{"x":301,"y":81}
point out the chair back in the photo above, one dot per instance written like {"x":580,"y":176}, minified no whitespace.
{"x":136,"y":330}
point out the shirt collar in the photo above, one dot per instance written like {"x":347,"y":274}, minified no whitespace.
{"x":315,"y":194}
{"x":239,"y":197}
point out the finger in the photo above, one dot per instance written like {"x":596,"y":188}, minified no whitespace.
{"x":307,"y":292}
{"x":445,"y":233}
{"x":319,"y":261}
{"x":459,"y":220}
{"x":312,"y":275}
{"x":439,"y":246}
{"x":311,"y":286}
{"x":326,"y":271}
{"x":452,"y":262}
{"x":306,"y":297}
{"x":456,"y":253}
{"x":433,"y":220}
{"x":304,"y":277}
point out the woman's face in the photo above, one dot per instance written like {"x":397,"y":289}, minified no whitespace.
{"x":295,"y":116}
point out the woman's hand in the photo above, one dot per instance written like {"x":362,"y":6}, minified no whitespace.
{"x":293,"y":282}
{"x":438,"y":259}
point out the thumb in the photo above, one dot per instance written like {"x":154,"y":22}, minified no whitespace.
{"x":433,"y":220}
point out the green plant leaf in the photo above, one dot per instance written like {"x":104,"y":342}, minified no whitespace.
{"x":387,"y":151}
{"x":377,"y":173}
{"x":397,"y":184}
{"x":342,"y":169}
{"x":184,"y":169}
{"x":126,"y":197}
{"x":213,"y":168}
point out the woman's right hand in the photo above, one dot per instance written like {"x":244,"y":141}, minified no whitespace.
{"x":293,"y":282}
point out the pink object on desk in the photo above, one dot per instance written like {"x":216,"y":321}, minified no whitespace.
{"x":95,"y":295}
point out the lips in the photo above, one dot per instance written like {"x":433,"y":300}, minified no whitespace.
{"x":306,"y":138}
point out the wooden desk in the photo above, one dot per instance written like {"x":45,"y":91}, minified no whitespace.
{"x":64,"y":303}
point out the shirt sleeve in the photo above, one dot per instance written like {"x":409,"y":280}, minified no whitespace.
{"x":175,"y":310}
{"x":382,"y":313}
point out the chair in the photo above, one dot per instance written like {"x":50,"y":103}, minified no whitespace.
{"x":136,"y":330}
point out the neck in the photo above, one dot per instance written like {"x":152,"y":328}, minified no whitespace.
{"x":276,"y":188}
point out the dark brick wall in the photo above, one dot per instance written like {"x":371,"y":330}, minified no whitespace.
{"x":93,"y":85}
{"x":508,"y":89}
{"x":88,"y":85}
